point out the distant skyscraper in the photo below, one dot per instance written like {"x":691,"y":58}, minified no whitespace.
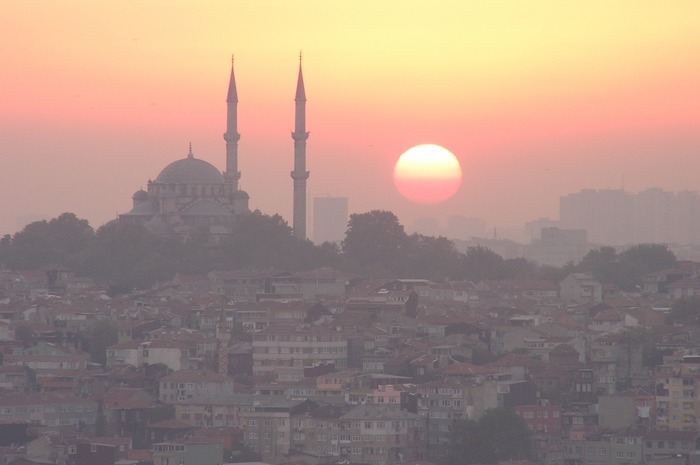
{"x":330,"y":219}
{"x":616,"y":217}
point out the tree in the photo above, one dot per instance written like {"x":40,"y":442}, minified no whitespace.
{"x":102,"y":335}
{"x":434,"y":258}
{"x":261,"y":241}
{"x":640,"y":260}
{"x":375,"y":239}
{"x":481,"y":263}
{"x":500,"y":434}
{"x":128,"y":256}
{"x":517,"y":268}
{"x":626,"y":268}
{"x":684,"y":311}
{"x":42,"y":243}
{"x":5,"y":249}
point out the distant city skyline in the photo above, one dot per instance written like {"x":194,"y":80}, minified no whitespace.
{"x":536,"y":100}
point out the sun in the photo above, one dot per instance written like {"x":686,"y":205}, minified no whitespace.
{"x":427,"y":174}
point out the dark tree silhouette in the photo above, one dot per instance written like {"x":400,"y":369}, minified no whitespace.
{"x":685,"y":311}
{"x":481,"y":263}
{"x":99,"y":337}
{"x":128,"y":257}
{"x":627,"y":268}
{"x":375,"y":239}
{"x":434,"y":258}
{"x":500,"y":434}
{"x":42,"y":243}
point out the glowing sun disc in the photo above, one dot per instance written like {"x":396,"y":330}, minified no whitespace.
{"x":427,"y":174}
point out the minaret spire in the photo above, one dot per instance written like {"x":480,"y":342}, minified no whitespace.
{"x":300,"y":175}
{"x":231,"y":136}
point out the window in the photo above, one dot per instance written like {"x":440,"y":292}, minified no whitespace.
{"x":93,"y":448}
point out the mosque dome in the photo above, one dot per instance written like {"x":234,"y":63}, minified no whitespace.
{"x":241,"y":195}
{"x":190,"y":170}
{"x":140,"y":195}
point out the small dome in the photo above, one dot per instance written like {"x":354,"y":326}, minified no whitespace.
{"x":241,"y":195}
{"x":190,"y":170}
{"x":140,"y":195}
{"x":147,"y":207}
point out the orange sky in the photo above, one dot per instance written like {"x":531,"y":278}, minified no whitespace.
{"x":537,"y":99}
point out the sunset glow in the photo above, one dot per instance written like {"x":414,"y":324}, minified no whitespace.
{"x":540,"y":97}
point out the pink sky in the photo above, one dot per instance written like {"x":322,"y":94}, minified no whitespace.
{"x":536,"y":99}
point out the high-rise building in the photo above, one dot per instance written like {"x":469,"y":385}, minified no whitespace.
{"x":616,"y":217}
{"x":330,"y":219}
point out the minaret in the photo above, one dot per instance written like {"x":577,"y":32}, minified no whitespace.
{"x":300,"y":175}
{"x":232,"y":175}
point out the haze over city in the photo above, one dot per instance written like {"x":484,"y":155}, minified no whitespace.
{"x":535,"y":99}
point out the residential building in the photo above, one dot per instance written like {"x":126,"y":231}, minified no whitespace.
{"x":58,"y":411}
{"x":189,"y":451}
{"x":381,"y":435}
{"x":581,"y":288}
{"x":181,"y":385}
{"x":283,"y":351}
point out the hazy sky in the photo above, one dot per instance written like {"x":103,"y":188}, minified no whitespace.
{"x":537,"y":99}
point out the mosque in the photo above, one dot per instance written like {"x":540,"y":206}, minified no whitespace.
{"x":191,"y":195}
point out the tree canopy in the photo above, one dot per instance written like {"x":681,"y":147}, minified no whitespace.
{"x":500,"y":434}
{"x":127,"y":256}
{"x":685,"y":311}
{"x":47,"y":242}
{"x":375,"y":238}
{"x":627,"y":268}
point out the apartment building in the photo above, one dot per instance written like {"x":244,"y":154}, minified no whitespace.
{"x":62,"y":411}
{"x":381,"y":435}
{"x":212,"y":411}
{"x":189,"y":451}
{"x":266,"y":426}
{"x":282,"y":351}
{"x":677,"y":405}
{"x":182,"y":385}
